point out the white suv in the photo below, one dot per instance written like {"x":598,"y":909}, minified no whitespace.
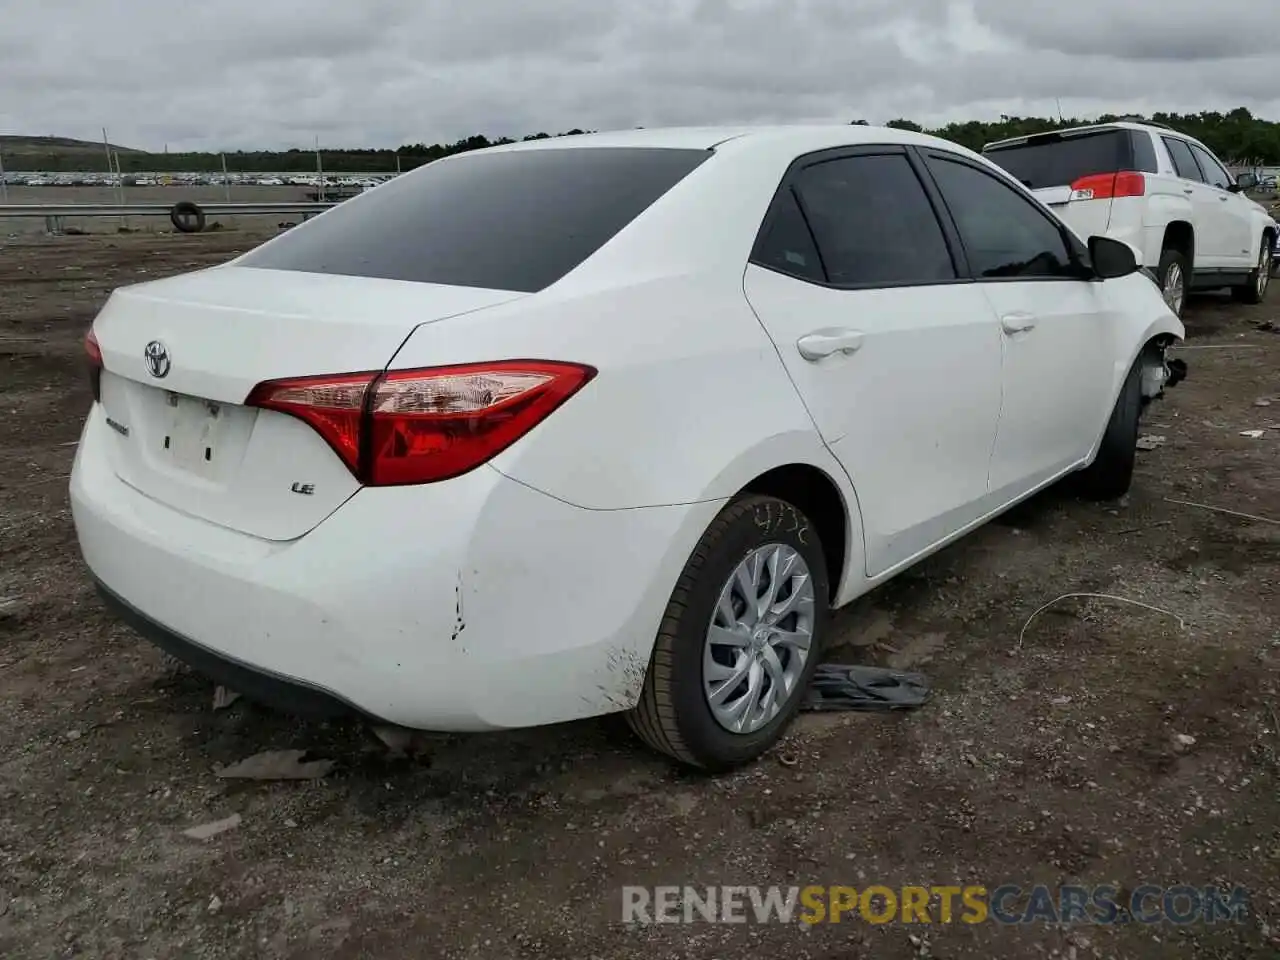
{"x":1158,"y":190}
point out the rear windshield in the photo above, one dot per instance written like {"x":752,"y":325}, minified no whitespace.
{"x":1055,"y":160}
{"x":509,"y":220}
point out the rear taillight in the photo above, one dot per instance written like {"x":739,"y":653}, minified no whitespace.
{"x":93,"y":354}
{"x":419,"y":426}
{"x":1107,"y":186}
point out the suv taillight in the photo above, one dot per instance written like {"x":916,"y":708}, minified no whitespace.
{"x":420,"y":426}
{"x":93,"y":353}
{"x":1107,"y":186}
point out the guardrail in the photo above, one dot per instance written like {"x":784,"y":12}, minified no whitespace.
{"x":185,"y":215}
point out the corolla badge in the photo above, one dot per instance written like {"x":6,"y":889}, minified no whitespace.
{"x":156,"y":354}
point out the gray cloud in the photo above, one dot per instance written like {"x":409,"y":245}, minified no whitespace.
{"x":279,"y":73}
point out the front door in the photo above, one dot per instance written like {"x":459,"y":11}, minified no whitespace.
{"x":1056,"y":338}
{"x":897,"y":360}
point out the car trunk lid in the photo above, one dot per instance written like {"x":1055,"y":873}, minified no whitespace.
{"x":181,"y":355}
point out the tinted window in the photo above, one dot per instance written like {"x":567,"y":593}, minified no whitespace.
{"x":517,"y":220}
{"x":1004,"y":233}
{"x":1183,"y":161}
{"x":786,"y":245}
{"x":1057,"y":160}
{"x":1212,"y":169}
{"x":873,"y":221}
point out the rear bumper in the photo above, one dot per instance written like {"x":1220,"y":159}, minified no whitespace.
{"x":474,"y":604}
{"x":262,"y":686}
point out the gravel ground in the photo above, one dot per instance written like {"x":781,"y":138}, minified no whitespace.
{"x":1113,"y":744}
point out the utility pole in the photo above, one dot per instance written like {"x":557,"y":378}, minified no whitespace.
{"x":226,"y":183}
{"x":319,"y":171}
{"x":4,"y":184}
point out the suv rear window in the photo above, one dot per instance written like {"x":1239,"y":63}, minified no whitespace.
{"x":509,"y":220}
{"x":1057,"y":160}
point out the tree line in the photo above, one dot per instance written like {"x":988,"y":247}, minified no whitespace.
{"x":1238,"y":137}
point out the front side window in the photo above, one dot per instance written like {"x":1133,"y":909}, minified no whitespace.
{"x":1213,"y":170}
{"x":1003,"y":232}
{"x":873,"y":222}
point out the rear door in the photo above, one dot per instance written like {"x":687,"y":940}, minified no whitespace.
{"x":1236,"y":211}
{"x":1056,"y":336}
{"x":1212,"y":234}
{"x":855,"y":281}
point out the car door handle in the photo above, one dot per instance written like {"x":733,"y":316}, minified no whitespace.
{"x":1187,"y":190}
{"x":825,"y":342}
{"x":1012,"y":323}
{"x":1224,"y":198}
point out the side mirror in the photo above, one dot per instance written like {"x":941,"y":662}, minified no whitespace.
{"x":1111,"y":258}
{"x":1246,"y":181}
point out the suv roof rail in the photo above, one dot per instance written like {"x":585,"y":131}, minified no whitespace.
{"x":1133,"y":118}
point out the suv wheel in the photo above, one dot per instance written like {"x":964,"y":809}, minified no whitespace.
{"x":740,"y":638}
{"x":1174,"y":276}
{"x":1259,"y":278}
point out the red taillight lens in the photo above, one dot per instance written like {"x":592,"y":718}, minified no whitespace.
{"x":419,"y":426}
{"x":1106,"y":186}
{"x":93,"y":353}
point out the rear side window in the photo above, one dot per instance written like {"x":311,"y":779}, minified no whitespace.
{"x":786,"y":245}
{"x":1059,"y":160}
{"x":873,"y":222}
{"x":510,"y":220}
{"x":1183,"y":162}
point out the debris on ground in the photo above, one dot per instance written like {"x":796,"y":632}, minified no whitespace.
{"x":277,"y":765}
{"x":842,"y":686}
{"x":402,"y":742}
{"x":1150,"y":442}
{"x":223,"y":698}
{"x":1094,"y":596}
{"x":1252,"y":434}
{"x":207,"y":830}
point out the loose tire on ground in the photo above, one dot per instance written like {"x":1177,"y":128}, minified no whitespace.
{"x":673,"y":715}
{"x":1111,"y":473}
{"x":1170,"y":258}
{"x":187,"y":217}
{"x":1255,"y":290}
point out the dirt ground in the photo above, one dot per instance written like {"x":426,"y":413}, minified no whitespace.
{"x":1065,"y":758}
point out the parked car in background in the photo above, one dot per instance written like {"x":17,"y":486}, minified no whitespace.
{"x":1157,"y":189}
{"x":616,"y":433}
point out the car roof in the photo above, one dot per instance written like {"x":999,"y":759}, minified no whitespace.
{"x":802,"y":138}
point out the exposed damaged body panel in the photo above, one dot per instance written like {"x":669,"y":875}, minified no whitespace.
{"x":1158,"y":371}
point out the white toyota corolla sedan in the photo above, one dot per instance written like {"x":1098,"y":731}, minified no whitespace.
{"x":601,"y":423}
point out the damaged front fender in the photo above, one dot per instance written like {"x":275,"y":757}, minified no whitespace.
{"x":1158,"y":371}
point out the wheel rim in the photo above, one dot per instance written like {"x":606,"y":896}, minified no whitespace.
{"x":759,"y":638}
{"x":1174,"y":287}
{"x":1264,"y":268}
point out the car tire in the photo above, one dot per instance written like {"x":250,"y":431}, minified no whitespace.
{"x":1255,"y":290}
{"x":1171,"y":260}
{"x":675,"y":714}
{"x":1111,"y":473}
{"x":187,"y":217}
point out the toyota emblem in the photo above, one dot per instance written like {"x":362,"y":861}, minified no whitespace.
{"x":157,"y":356}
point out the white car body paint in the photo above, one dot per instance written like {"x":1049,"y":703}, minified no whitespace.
{"x":530,"y":589}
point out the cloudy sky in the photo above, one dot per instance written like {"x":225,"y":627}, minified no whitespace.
{"x":226,"y":74}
